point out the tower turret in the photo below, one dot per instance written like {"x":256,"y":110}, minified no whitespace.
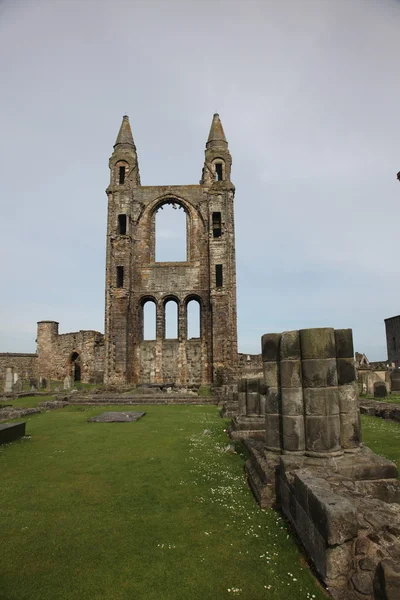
{"x":123,"y":163}
{"x":218,"y":160}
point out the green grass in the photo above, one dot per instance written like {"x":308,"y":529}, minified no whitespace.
{"x":138,"y":511}
{"x":394,"y":399}
{"x":382,"y":436}
{"x":27,"y":401}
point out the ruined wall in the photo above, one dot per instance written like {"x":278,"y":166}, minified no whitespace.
{"x":134,"y":277}
{"x":392,"y":326}
{"x":56,"y":353}
{"x":176,"y":357}
{"x":25,"y":366}
{"x":249,"y":366}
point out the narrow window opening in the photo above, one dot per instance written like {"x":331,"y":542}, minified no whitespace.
{"x":218,"y":275}
{"x":171,"y":320}
{"x":216,"y":224}
{"x":122,"y":175}
{"x":149,"y":320}
{"x":120,"y":277}
{"x":394,"y":344}
{"x":193,"y":319}
{"x":122,"y":224}
{"x":218,"y":171}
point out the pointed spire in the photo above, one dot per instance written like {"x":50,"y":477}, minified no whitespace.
{"x":125,"y":136}
{"x":216,"y":137}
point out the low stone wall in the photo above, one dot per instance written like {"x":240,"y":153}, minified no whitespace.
{"x":384,"y":410}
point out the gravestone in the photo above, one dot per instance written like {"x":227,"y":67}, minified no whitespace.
{"x":8,"y":387}
{"x":18,"y":386}
{"x":11,"y":431}
{"x":117,"y":417}
{"x":68,"y":382}
{"x":380,"y":390}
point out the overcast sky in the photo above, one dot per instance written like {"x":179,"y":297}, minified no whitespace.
{"x":309,"y":96}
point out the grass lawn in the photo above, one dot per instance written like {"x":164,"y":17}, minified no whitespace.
{"x":382,"y":436}
{"x":153,"y":510}
{"x":393,"y":398}
{"x":27,"y":402}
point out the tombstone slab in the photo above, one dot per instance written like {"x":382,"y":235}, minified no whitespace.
{"x":117,"y":417}
{"x":11,"y":431}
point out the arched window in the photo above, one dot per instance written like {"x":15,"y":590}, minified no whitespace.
{"x":171,"y":319}
{"x":149,"y":320}
{"x":193,"y":319}
{"x":171,"y":233}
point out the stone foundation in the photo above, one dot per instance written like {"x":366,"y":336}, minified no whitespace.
{"x":342,"y":500}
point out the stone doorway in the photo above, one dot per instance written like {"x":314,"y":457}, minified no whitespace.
{"x":76,"y":370}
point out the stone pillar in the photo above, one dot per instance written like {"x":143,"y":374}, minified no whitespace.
{"x":242,"y":397}
{"x":350,"y":425}
{"x":9,"y":380}
{"x":270,"y":344}
{"x":320,"y":390}
{"x":293,"y":437}
{"x":253,"y":398}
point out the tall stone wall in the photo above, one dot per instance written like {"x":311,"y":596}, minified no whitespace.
{"x":134,"y":276}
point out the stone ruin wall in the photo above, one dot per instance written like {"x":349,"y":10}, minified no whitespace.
{"x":342,"y":500}
{"x":249,"y":366}
{"x":55,"y":352}
{"x":24,"y":365}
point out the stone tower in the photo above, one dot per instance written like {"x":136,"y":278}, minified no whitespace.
{"x":133,"y":277}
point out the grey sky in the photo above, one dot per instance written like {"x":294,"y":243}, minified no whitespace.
{"x":309,"y":95}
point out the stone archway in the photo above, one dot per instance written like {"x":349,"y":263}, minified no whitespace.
{"x":76,"y":367}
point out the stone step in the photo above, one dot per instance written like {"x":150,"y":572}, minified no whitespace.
{"x":139,"y":399}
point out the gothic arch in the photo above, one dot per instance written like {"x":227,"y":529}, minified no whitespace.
{"x":195,"y":225}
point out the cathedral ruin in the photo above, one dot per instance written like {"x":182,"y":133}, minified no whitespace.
{"x":135,"y":278}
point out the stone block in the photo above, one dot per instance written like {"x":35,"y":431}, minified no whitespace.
{"x":346,"y":371}
{"x":317,"y":343}
{"x":290,"y":373}
{"x":242,"y":385}
{"x":273,"y":432}
{"x":321,"y":401}
{"x":290,"y":346}
{"x":270,"y":347}
{"x":338,"y":561}
{"x":252,"y":386}
{"x":292,"y":401}
{"x":253,"y":403}
{"x":319,"y":372}
{"x":348,"y":398}
{"x":242,"y":405}
{"x":333,"y":515}
{"x":293,"y":433}
{"x":322,"y":434}
{"x":390,"y":578}
{"x":350,"y":430}
{"x":271,"y":374}
{"x":11,"y":431}
{"x":273,"y":401}
{"x":344,"y":343}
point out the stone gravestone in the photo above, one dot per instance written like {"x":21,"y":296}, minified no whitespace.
{"x":18,"y":386}
{"x":117,"y":417}
{"x":380,"y":390}
{"x":68,"y":382}
{"x":8,"y":388}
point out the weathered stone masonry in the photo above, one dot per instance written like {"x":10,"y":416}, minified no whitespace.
{"x":133,"y":277}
